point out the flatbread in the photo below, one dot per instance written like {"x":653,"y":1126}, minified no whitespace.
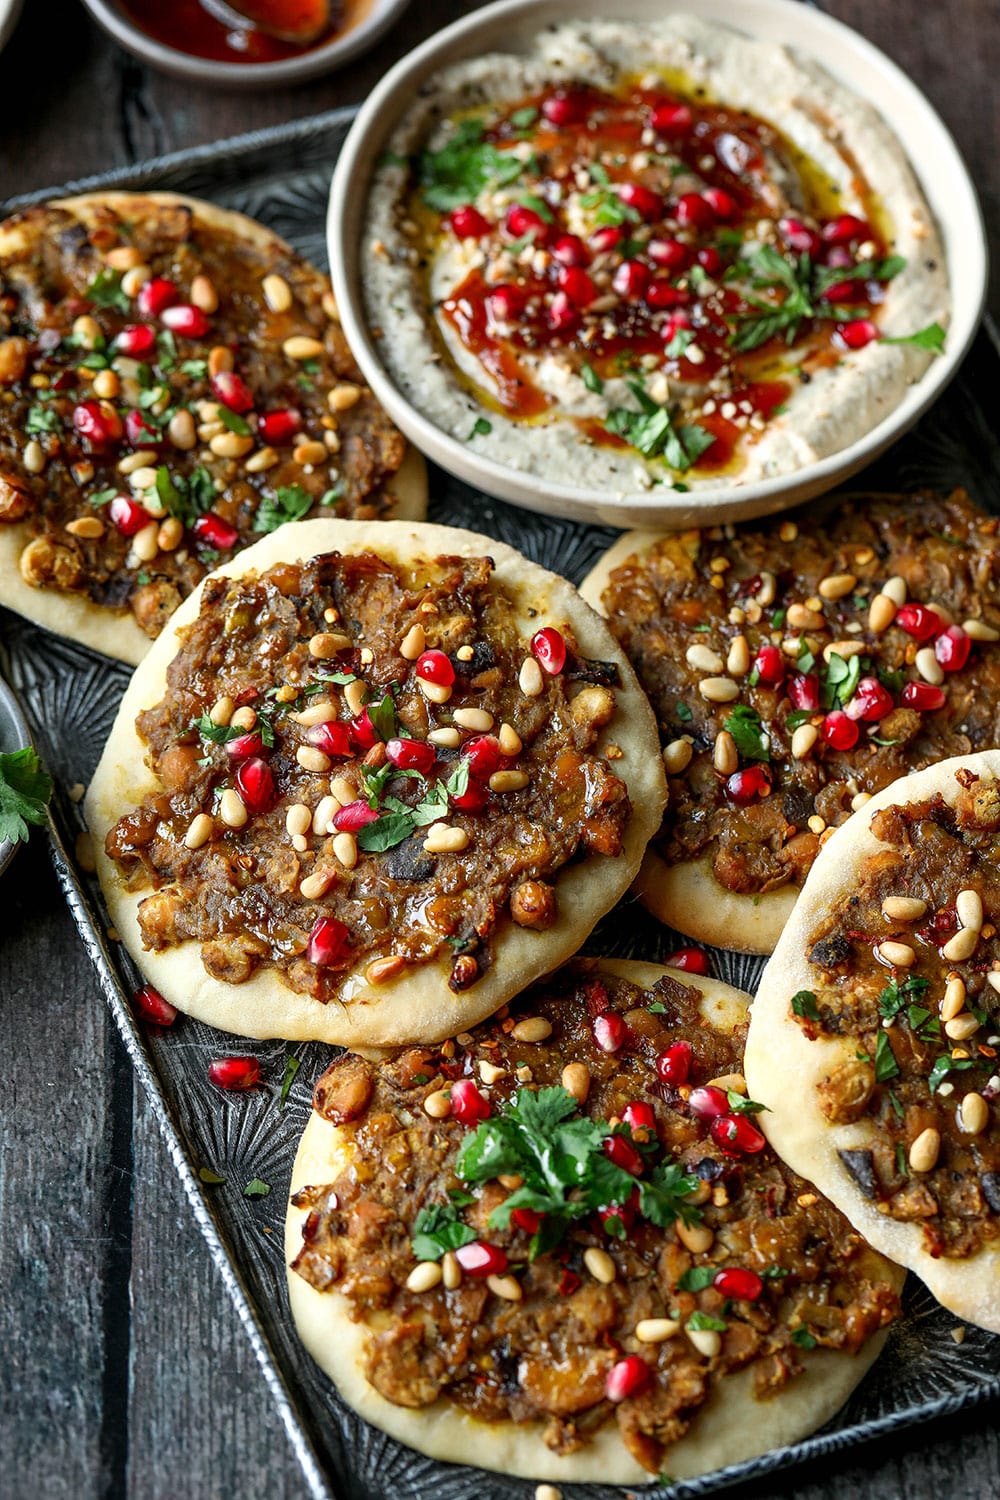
{"x":731,"y":1427}
{"x":115,"y":632}
{"x":419,"y":1004}
{"x":784,"y":1067}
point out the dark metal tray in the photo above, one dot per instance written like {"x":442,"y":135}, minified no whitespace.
{"x":281,"y":177}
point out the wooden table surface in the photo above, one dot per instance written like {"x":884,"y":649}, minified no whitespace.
{"x":124,"y":1371}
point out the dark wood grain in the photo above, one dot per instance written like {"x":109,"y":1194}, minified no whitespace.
{"x":124,"y":1370}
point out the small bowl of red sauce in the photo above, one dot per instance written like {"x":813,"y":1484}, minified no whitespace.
{"x":248,"y":43}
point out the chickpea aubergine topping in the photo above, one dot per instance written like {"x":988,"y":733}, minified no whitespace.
{"x":797,"y":668}
{"x":365,"y":766}
{"x":169,"y":390}
{"x":548,"y":1230}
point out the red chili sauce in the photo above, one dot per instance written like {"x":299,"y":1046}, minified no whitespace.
{"x":188,"y":26}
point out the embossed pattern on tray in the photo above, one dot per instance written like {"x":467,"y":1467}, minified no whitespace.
{"x":70,"y":695}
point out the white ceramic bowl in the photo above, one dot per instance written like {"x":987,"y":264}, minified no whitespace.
{"x":510,"y":27}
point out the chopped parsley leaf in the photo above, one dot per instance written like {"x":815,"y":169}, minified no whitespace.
{"x":41,"y":419}
{"x":438,"y":1229}
{"x":700,"y":1322}
{"x":804,"y":1004}
{"x":803,"y":1338}
{"x":288,"y":503}
{"x":886,"y":1066}
{"x":256,"y":1188}
{"x":932,"y":337}
{"x":464,"y":167}
{"x":106,"y":290}
{"x":292,"y":1065}
{"x":591,"y":379}
{"x":480,"y":427}
{"x":749,"y":734}
{"x":696,"y":1279}
{"x":233,"y":421}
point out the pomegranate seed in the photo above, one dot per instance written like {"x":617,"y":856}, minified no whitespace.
{"x":65,"y":380}
{"x":527,"y":1219}
{"x":952,"y":648}
{"x":871,"y":701}
{"x":232,"y":390}
{"x":647,"y":204}
{"x":561,"y":313}
{"x":152,"y":1006}
{"x":505,"y":303}
{"x":234,"y":1072}
{"x":691,"y":960}
{"x":411,"y":755}
{"x":737,"y":1282}
{"x":695,"y":210}
{"x":155,"y":295}
{"x":923,"y":697}
{"x":279,"y":427}
{"x":98,"y":422}
{"x":734,"y":1135}
{"x":606,"y":239}
{"x":839,"y":257}
{"x":840,"y":732}
{"x":660,"y":294}
{"x":671,"y":119}
{"x":564,"y":107}
{"x":803,"y":691}
{"x":468,"y":223}
{"x":549,"y":649}
{"x":216,"y":533}
{"x":355,"y":816}
{"x":140,"y":432}
{"x":744,"y":787}
{"x":919,"y":621}
{"x":468,"y":1105}
{"x":480,"y":1259}
{"x":623,"y":1154}
{"x":569,"y":250}
{"x":627,"y":1378}
{"x":722,"y":204}
{"x":434,"y":666}
{"x":674,"y":1065}
{"x":708,"y":1103}
{"x":255,"y":785}
{"x":332,"y":737}
{"x":769,"y":664}
{"x":472,"y":800}
{"x":577,"y":285}
{"x":710,"y":260}
{"x":798,"y":236}
{"x":639,"y":1115}
{"x":609,"y":1031}
{"x":245,"y":745}
{"x":676,"y":321}
{"x":484,"y":755}
{"x":327,"y":941}
{"x":844,"y":228}
{"x":857,"y":334}
{"x":136,"y":340}
{"x":619,"y":1213}
{"x":630,"y":279}
{"x":362,"y":730}
{"x":190,"y":322}
{"x":672,"y":255}
{"x":127,"y":515}
{"x":521,"y":221}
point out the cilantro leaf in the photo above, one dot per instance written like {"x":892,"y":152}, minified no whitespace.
{"x":42,"y":419}
{"x":651,"y":431}
{"x":438,"y":1229}
{"x":839,"y":679}
{"x":233,"y":421}
{"x":803,"y":1338}
{"x":25,"y":788}
{"x":106,"y":290}
{"x":700,"y":1322}
{"x":186,"y":498}
{"x":215,"y":734}
{"x":288,"y":503}
{"x":388,"y":831}
{"x":166,"y":350}
{"x":886,"y":1066}
{"x":749,"y":734}
{"x":464,"y":167}
{"x":696,"y":1279}
{"x":804,"y":1004}
{"x":739,"y":1104}
{"x":945,"y":1065}
{"x":383,"y":717}
{"x":896,"y":996}
{"x":932,"y":337}
{"x":662,"y":1195}
{"x":256,"y":1188}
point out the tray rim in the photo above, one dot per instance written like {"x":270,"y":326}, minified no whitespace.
{"x":294,"y":1417}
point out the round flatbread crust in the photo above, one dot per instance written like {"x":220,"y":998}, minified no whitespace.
{"x":116,"y":633}
{"x":731,"y":1427}
{"x":783,"y":1067}
{"x":419,"y":1006}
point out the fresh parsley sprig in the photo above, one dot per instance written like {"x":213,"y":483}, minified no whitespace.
{"x":652,"y":432}
{"x":25,"y":789}
{"x":464,"y":167}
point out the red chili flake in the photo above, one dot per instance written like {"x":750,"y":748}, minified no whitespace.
{"x":140,"y":432}
{"x":923,"y":696}
{"x":153,"y":1007}
{"x":769,"y":664}
{"x":327,"y":941}
{"x":799,"y":237}
{"x":232,"y":390}
{"x":919,"y":621}
{"x":672,"y":255}
{"x":434,"y":666}
{"x":155,"y":295}
{"x":245,"y":745}
{"x":647,"y":204}
{"x":479,"y":1259}
{"x":609,"y":1031}
{"x":737,"y":1282}
{"x":745,"y":787}
{"x":355,"y":816}
{"x":843,"y":228}
{"x":671,"y":119}
{"x":623,"y":1154}
{"x":952,"y":648}
{"x":627,"y":1378}
{"x":527,"y":1219}
{"x":411,"y":755}
{"x":708,"y":1102}
{"x":127,"y":515}
{"x":639,"y":1115}
{"x":840,"y":732}
{"x":692,"y":960}
{"x":468,"y":223}
{"x":549,"y":650}
{"x":569,"y":250}
{"x":234,"y":1072}
{"x":332,"y":737}
{"x":216,"y":533}
{"x":871,"y":701}
{"x":189,"y":321}
{"x":135,"y":340}
{"x":99,"y":423}
{"x":569,"y":1282}
{"x":736,"y":1136}
{"x":674,"y":1065}
{"x":255,"y":785}
{"x":468,"y":1105}
{"x":279,"y":427}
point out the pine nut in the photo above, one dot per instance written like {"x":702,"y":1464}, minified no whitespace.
{"x":993,"y":979}
{"x":969,"y":905}
{"x":88,"y":528}
{"x":345,"y":848}
{"x":437,"y":1105}
{"x":443,"y":839}
{"x":953,"y":1002}
{"x":327,"y":643}
{"x":310,"y":758}
{"x":299,"y":346}
{"x":799,"y":617}
{"x":244,"y":718}
{"x":452,"y":1271}
{"x":329,"y":305}
{"x":575,"y":1080}
{"x":707,"y":1341}
{"x":844,"y":649}
{"x":220,"y":360}
{"x":881,"y":613}
{"x":145,"y":479}
{"x":532,"y":1029}
{"x":135,"y":279}
{"x":435,"y":692}
{"x":738,"y":660}
{"x":974,"y":1114}
{"x":277,"y":292}
{"x":899,"y":955}
{"x":656,"y":1330}
{"x":317,"y":713}
{"x":718,"y":689}
{"x":298,"y":818}
{"x":925,"y":1150}
{"x":734,"y":1082}
{"x":170,"y":534}
{"x":962,"y":945}
{"x":836,"y":586}
{"x":123,"y":258}
{"x":803,"y":739}
{"x":141,"y":459}
{"x":703,"y":659}
{"x":261,"y":461}
{"x":510,"y":740}
{"x":490,"y":1073}
{"x":106,"y":385}
{"x":928,"y":666}
{"x":859,"y":800}
{"x":199,"y":831}
{"x":230,"y":444}
{"x":768,"y":587}
{"x":724,"y":756}
{"x":326,"y":808}
{"x":960,"y":1028}
{"x":903,"y":908}
{"x":355,"y":694}
{"x":530,"y":679}
{"x":508,"y":781}
{"x":980,"y":631}
{"x":231,"y":809}
{"x":547,"y":1492}
{"x":204,"y":295}
{"x":222,"y":711}
{"x":506,"y":1287}
{"x":696,"y":1237}
{"x":33,"y":457}
{"x":474,"y":718}
{"x":317,"y":884}
{"x":383,"y":969}
{"x":895,"y":588}
{"x":413,"y":642}
{"x":425,"y":1277}
{"x":309,"y":452}
{"x":677,"y":756}
{"x":448,"y":737}
{"x":146,"y":543}
{"x":342,"y":397}
{"x":600,"y":1265}
{"x":87,"y":331}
